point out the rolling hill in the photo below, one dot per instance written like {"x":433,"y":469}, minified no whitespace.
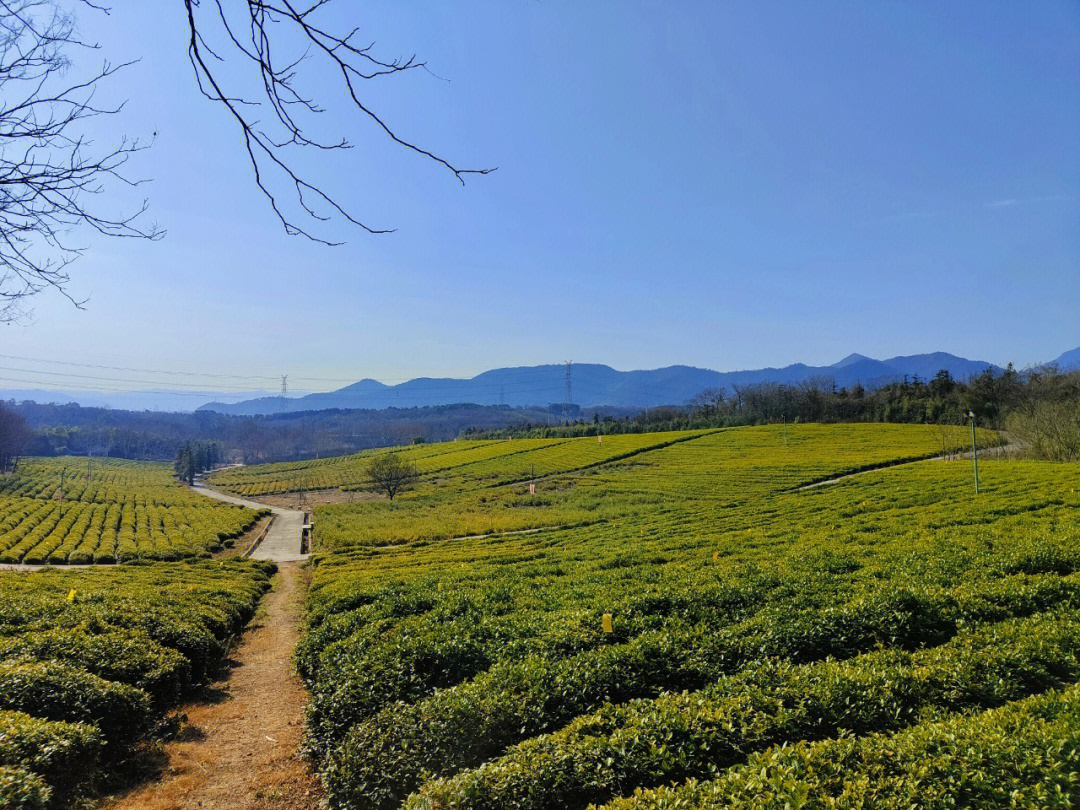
{"x":594,"y":385}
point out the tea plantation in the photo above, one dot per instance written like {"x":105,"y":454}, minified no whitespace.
{"x":74,"y":511}
{"x":681,"y":624}
{"x":90,"y":659}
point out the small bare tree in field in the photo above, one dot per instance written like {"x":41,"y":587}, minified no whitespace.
{"x":390,"y":473}
{"x":949,"y":439}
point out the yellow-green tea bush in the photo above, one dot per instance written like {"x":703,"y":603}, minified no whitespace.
{"x":91,"y":658}
{"x":663,"y":615}
{"x":1024,"y":754}
{"x":112,"y":511}
{"x":23,"y":789}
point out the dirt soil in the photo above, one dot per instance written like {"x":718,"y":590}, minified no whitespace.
{"x":244,"y":541}
{"x":317,"y":497}
{"x":237,"y":748}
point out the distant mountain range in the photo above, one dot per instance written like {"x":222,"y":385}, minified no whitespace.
{"x":599,"y":385}
{"x":591,"y":386}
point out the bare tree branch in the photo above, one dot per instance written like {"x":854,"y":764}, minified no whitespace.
{"x":50,"y":173}
{"x":257,"y":32}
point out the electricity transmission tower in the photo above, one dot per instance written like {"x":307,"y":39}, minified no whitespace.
{"x":569,"y":388}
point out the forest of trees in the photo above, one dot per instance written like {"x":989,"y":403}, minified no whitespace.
{"x":196,"y":457}
{"x":74,"y":430}
{"x":15,"y":436}
{"x":1040,"y":408}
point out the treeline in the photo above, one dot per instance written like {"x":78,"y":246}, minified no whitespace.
{"x":73,"y":430}
{"x":1040,"y":408}
{"x":196,"y":457}
{"x":15,"y":435}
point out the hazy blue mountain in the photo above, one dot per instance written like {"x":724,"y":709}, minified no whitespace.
{"x":151,"y":400}
{"x":925,"y":366}
{"x":1068,"y":361}
{"x":595,"y":385}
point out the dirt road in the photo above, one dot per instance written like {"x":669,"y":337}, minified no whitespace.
{"x":282,"y":543}
{"x":237,"y":748}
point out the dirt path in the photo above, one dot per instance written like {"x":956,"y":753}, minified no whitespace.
{"x":237,"y":749}
{"x":996,"y":451}
{"x":282,"y":542}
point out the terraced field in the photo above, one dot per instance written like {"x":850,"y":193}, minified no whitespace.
{"x":492,"y":462}
{"x":71,"y":511}
{"x":91,"y":659}
{"x":671,"y":621}
{"x":686,"y":616}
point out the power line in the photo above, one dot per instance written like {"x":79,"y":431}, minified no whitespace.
{"x":59,"y":381}
{"x":119,"y":379}
{"x":137,"y":370}
{"x":94,"y":389}
{"x":544,"y":369}
{"x":395,"y":394}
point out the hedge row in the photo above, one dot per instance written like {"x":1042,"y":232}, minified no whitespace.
{"x":382,"y":759}
{"x":679,"y":736}
{"x":1024,"y":755}
{"x":90,"y":659}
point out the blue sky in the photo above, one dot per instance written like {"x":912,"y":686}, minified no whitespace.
{"x":728,"y":185}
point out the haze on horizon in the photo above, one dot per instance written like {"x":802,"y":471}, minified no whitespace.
{"x":725,"y":186}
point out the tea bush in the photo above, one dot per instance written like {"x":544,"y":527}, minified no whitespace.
{"x":91,"y":658}
{"x":661,"y":614}
{"x":119,"y":511}
{"x":1024,"y":754}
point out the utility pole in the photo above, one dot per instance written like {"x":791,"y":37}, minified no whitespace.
{"x":646,"y":403}
{"x":60,"y":492}
{"x":974,"y":451}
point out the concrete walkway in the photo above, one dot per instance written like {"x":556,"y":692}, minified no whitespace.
{"x":282,"y":542}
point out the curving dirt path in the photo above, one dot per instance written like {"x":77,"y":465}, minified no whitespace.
{"x":282,"y":542}
{"x":996,"y":451}
{"x":237,"y":749}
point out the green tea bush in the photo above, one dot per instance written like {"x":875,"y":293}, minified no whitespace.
{"x":22,"y":790}
{"x":64,"y":755}
{"x":700,"y":734}
{"x":671,"y":610}
{"x":122,"y":511}
{"x":389,"y":753}
{"x":1025,"y":754}
{"x":55,"y":691}
{"x":126,"y":656}
{"x":90,"y":659}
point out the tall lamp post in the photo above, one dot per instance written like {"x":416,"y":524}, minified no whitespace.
{"x":974,"y":450}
